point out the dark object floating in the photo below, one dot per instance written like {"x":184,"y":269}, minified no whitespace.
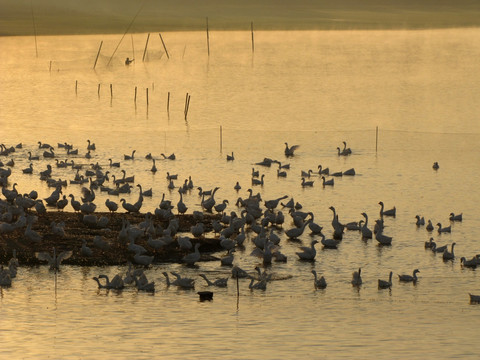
{"x":474,"y":299}
{"x":205,"y":295}
{"x":435,"y":166}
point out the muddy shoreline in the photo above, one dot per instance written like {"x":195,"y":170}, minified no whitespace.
{"x":117,"y":254}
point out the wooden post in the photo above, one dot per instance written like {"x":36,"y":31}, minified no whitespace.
{"x":98,"y":54}
{"x":168,"y":102}
{"x":50,"y":67}
{"x":376,"y":139}
{"x":164,"y":47}
{"x":253,"y":44}
{"x":147,"y":97}
{"x":133,"y":47}
{"x":98,"y":91}
{"x":187,"y":104}
{"x":135,"y":97}
{"x":111,"y":91}
{"x":208,"y":40}
{"x":145,"y":50}
{"x":76,"y":86}
{"x":238,"y":294}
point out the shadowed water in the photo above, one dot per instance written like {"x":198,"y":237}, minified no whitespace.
{"x":315,"y":89}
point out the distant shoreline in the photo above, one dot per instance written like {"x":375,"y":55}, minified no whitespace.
{"x":20,"y":23}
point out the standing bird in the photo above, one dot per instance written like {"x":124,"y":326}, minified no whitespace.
{"x":111,"y":205}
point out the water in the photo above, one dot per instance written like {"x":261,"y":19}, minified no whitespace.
{"x":315,"y":89}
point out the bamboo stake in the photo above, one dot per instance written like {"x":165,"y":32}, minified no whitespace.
{"x":111,"y":91}
{"x":98,"y":91}
{"x":76,"y":86}
{"x":50,"y":67}
{"x":376,"y":139}
{"x":168,"y":102}
{"x":98,"y":54}
{"x":208,"y":40}
{"x":238,"y":294}
{"x":147,"y":97}
{"x":133,"y":47}
{"x":135,"y":97}
{"x":164,"y":47}
{"x":146,"y":44}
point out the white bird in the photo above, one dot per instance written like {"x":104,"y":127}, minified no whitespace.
{"x":308,"y":253}
{"x":319,"y":283}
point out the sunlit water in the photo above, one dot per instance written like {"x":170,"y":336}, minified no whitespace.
{"x":315,"y":89}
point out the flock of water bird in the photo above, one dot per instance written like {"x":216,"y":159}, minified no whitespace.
{"x":19,"y":211}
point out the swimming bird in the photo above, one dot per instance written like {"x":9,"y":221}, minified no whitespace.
{"x":260,"y":285}
{"x":429,"y":226}
{"x":474,"y":299}
{"x":327,"y":182}
{"x":439,"y":249}
{"x":239,"y":273}
{"x":357,"y":277}
{"x":117,"y":282}
{"x":306,"y":183}
{"x":31,"y":158}
{"x":349,"y":172}
{"x":114,"y":164}
{"x":154,"y":167}
{"x":129,"y":157}
{"x":449,"y":255}
{"x":183,"y":282}
{"x":383,"y":284}
{"x":169,"y":157}
{"x":230,"y":157}
{"x":308,"y":253}
{"x":289,"y":151}
{"x":319,"y":283}
{"x":328,"y":243}
{"x":409,"y":278}
{"x":54,"y":261}
{"x":295,"y":232}
{"x":381,"y":238}
{"x":454,"y":217}
{"x":472,"y":263}
{"x":366,"y":232}
{"x":429,"y":244}
{"x":390,"y":212}
{"x":222,"y":282}
{"x":227,"y":260}
{"x":435,"y":166}
{"x":144,"y":260}
{"x":420,"y":220}
{"x":258,"y":182}
{"x":237,"y":186}
{"x":446,"y":229}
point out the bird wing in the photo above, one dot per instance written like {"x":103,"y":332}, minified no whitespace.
{"x":64,"y":255}
{"x":43,"y":256}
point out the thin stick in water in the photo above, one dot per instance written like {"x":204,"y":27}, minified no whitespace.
{"x":253,"y":44}
{"x":135,"y":97}
{"x":133,"y":47}
{"x":208,"y":40}
{"x":98,"y":54}
{"x":168,"y":102}
{"x":98,"y":91}
{"x":164,"y":47}
{"x":145,"y":50}
{"x":111,"y":91}
{"x":376,"y":139}
{"x":76,"y":86}
{"x":147,"y":97}
{"x":221,"y":139}
{"x":34,"y":29}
